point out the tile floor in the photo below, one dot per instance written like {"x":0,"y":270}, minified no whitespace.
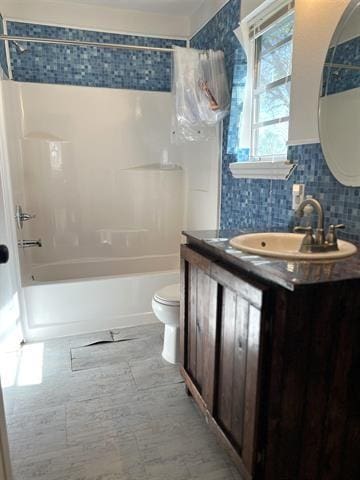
{"x":110,"y":412}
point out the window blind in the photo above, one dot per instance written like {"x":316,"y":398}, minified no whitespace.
{"x":262,"y":23}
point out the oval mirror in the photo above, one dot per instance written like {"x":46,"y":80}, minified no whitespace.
{"x":339,"y":109}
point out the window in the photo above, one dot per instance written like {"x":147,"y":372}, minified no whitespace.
{"x":271,"y":89}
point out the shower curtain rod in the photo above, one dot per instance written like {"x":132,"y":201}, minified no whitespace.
{"x":84,"y":43}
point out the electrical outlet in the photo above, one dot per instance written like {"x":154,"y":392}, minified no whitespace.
{"x":298,"y":195}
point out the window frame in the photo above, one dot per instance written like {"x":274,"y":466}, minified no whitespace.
{"x":257,"y":91}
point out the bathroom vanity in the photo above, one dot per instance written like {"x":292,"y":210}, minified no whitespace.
{"x":270,"y":352}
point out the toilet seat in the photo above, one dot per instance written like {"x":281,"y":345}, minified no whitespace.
{"x":166,"y":307}
{"x":169,"y":295}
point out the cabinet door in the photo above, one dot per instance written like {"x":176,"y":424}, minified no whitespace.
{"x":198,"y":329}
{"x":242,"y":307}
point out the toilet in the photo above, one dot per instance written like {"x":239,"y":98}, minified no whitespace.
{"x":166,"y":307}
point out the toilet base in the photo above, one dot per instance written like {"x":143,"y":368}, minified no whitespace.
{"x":170,"y":351}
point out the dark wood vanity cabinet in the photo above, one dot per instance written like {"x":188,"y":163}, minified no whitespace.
{"x":242,"y":312}
{"x":274,"y":372}
{"x":201,"y":334}
{"x":222,"y":323}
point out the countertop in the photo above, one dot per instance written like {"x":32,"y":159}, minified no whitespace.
{"x":288,"y":274}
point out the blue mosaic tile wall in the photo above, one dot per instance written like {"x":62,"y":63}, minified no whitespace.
{"x":341,"y":79}
{"x":3,"y":61}
{"x":218,"y":35}
{"x":261,"y":204}
{"x":341,"y":204}
{"x":244,"y":203}
{"x":91,"y":66}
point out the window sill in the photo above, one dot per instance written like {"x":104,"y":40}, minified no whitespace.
{"x":278,"y":170}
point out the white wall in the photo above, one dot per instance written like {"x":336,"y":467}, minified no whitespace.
{"x":5,"y":464}
{"x":11,"y":300}
{"x":207,"y":10}
{"x":111,"y":19}
{"x":97,"y":18}
{"x":248,"y":6}
{"x":315,"y":23}
{"x":201,"y":162}
{"x":14,"y":131}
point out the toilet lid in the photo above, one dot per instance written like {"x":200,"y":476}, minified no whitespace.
{"x":169,"y":295}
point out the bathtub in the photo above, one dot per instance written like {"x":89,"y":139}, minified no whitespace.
{"x":83,"y":296}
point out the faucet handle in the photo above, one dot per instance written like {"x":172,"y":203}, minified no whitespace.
{"x":308,"y":240}
{"x":333,"y":228}
{"x":331,"y":237}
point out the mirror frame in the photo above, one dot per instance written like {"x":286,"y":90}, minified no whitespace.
{"x":347,"y":180}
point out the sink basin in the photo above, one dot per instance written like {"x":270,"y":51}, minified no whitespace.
{"x":286,"y":246}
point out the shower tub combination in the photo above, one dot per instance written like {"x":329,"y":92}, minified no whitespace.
{"x":90,"y":295}
{"x":108,"y":191}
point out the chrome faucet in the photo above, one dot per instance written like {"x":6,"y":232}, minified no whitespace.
{"x":29,"y":243}
{"x":315,"y":242}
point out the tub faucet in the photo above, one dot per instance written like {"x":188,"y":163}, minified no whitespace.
{"x":29,"y":243}
{"x":312,"y":242}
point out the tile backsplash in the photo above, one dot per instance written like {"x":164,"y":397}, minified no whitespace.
{"x":91,"y":66}
{"x":260,"y":204}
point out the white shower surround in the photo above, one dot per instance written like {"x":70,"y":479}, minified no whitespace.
{"x":92,"y":173}
{"x":100,"y":267}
